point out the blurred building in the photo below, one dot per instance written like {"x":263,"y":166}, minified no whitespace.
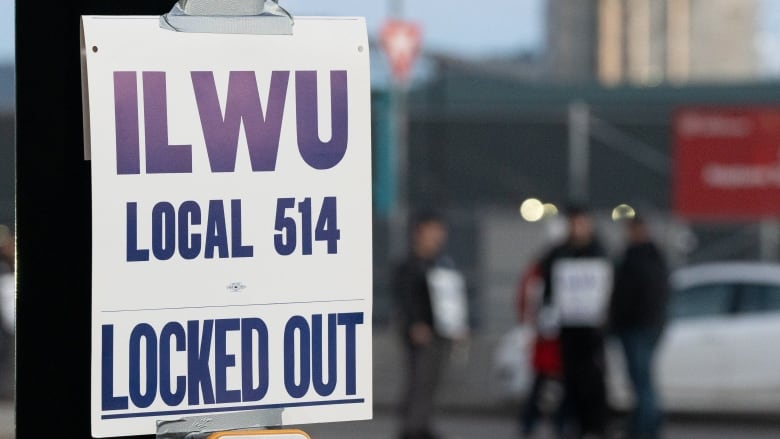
{"x":572,"y":41}
{"x":647,"y":42}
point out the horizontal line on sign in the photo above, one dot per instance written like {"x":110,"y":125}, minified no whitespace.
{"x":233,"y":409}
{"x":230,"y":306}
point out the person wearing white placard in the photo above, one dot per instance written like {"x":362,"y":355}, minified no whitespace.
{"x":432,"y":309}
{"x":577,"y":277}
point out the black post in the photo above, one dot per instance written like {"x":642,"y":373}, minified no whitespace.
{"x":54,"y":217}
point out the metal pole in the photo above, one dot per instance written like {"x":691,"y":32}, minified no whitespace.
{"x":579,"y":152}
{"x":400,"y":213}
{"x":397,"y":8}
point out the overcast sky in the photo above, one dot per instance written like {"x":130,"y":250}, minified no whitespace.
{"x":466,"y":28}
{"x":508,"y":25}
{"x":6,"y":30}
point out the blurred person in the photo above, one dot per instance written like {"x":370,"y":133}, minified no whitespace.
{"x":7,"y":310}
{"x":432,"y":307}
{"x":545,"y":354}
{"x":637,"y":318}
{"x":578,"y":277}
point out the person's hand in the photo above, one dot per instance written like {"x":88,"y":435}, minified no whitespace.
{"x":420,"y":334}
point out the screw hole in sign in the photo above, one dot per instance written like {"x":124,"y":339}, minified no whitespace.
{"x":401,"y":42}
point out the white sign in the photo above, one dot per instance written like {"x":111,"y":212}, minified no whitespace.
{"x":581,"y":289}
{"x":449,"y":301}
{"x":231,"y":197}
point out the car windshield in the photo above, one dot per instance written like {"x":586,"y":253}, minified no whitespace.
{"x":709,"y":300}
{"x":723,"y":298}
{"x":759,"y":298}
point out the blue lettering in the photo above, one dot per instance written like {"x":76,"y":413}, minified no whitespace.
{"x":216,"y":230}
{"x":311,"y":359}
{"x":109,"y":401}
{"x":350,"y":320}
{"x":189,"y":244}
{"x":198,"y":353}
{"x":143,"y":397}
{"x":223,"y":360}
{"x":170,"y":396}
{"x":307,"y":354}
{"x":239,"y":250}
{"x":133,"y":253}
{"x":163,"y":231}
{"x":301,"y":326}
{"x":251,"y":326}
{"x":168,"y":236}
{"x":322,"y":387}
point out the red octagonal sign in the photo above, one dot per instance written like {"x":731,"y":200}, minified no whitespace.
{"x":401,"y":41}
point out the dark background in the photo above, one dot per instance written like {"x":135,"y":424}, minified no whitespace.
{"x":54,"y":217}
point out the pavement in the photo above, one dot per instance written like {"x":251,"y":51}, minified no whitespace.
{"x":7,"y":420}
{"x":503,"y":425}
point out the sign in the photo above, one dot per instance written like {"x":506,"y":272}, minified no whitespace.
{"x":581,"y":289}
{"x":449,"y":301}
{"x":401,"y":42}
{"x":231,"y":222}
{"x":727,"y":163}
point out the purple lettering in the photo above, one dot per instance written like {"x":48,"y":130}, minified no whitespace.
{"x":242,"y":105}
{"x":316,"y":153}
{"x":161,"y":158}
{"x":126,"y":115}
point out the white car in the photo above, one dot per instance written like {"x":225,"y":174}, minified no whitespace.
{"x":722,"y":348}
{"x":720,"y":352}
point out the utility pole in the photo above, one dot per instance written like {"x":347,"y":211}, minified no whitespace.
{"x":400,"y":213}
{"x":397,"y":9}
{"x":579,"y":152}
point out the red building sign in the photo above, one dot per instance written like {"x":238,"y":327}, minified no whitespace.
{"x":727,"y":163}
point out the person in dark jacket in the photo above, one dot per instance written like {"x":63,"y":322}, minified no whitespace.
{"x":427,"y":341}
{"x":578,"y":277}
{"x":637,"y":318}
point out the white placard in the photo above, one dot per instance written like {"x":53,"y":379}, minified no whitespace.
{"x":581,"y":289}
{"x":449,"y":302}
{"x":231,"y":197}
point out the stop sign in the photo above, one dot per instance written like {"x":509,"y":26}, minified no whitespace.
{"x":401,"y":41}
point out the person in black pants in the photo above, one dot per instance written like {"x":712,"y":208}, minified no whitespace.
{"x":427,"y":345}
{"x":578,"y":279}
{"x":637,"y":319}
